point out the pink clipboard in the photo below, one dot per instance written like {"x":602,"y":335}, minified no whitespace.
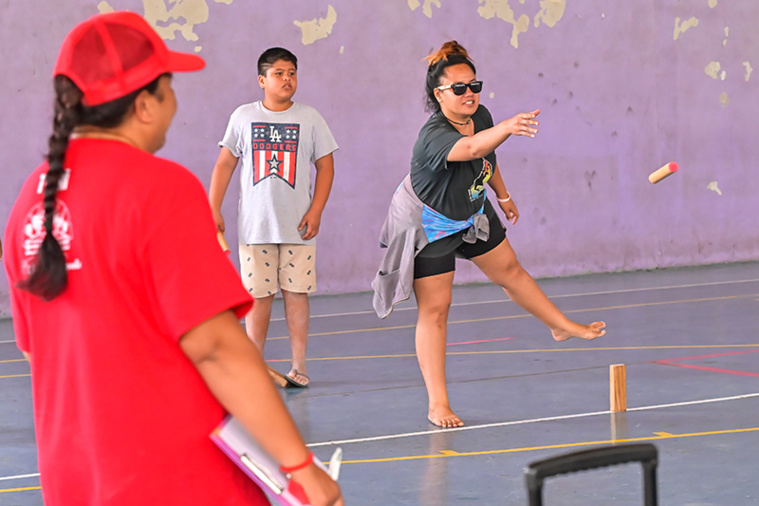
{"x":239,"y":445}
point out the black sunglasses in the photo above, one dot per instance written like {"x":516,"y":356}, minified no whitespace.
{"x":460,"y":88}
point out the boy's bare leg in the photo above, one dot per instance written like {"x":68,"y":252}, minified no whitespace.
{"x":433,"y":297}
{"x":257,"y":320}
{"x":297,"y":315}
{"x":501,"y":266}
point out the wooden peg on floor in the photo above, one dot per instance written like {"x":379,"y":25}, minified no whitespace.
{"x":618,"y":387}
{"x":278,"y":377}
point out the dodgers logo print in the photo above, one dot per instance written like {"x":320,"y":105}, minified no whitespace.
{"x":275,"y":150}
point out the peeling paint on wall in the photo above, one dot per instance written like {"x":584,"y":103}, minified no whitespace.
{"x":183,"y":16}
{"x":426,"y":8}
{"x":316,"y":29}
{"x":176,"y":17}
{"x":684,"y":26}
{"x":712,"y":70}
{"x":551,"y":11}
{"x":714,"y":187}
{"x":503,"y":10}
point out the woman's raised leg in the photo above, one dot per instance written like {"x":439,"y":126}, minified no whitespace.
{"x":433,"y":298}
{"x":501,"y":266}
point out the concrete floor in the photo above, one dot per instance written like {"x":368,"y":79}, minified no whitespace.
{"x":689,"y":338}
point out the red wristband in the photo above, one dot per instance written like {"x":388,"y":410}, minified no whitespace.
{"x":302,"y":465}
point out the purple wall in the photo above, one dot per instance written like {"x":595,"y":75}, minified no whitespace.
{"x":624,"y":88}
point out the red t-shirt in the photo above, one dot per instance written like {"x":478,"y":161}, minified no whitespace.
{"x":122,"y":416}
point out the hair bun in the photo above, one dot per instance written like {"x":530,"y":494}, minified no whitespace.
{"x":449,"y":48}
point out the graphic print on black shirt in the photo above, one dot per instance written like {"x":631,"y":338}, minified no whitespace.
{"x":274,"y":151}
{"x":478,"y":186}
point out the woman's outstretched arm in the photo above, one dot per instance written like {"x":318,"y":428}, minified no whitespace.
{"x":486,"y":141}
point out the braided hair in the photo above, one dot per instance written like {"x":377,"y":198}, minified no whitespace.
{"x":48,"y":276}
{"x":450,"y":53}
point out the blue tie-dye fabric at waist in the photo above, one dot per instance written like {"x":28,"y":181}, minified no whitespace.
{"x":436,"y":226}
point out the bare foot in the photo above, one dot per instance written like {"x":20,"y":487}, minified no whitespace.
{"x":592,"y":331}
{"x":444,"y":417}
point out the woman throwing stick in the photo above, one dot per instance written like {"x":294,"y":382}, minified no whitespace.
{"x":440,"y":212}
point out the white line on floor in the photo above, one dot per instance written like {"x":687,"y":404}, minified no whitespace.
{"x":522,"y":422}
{"x":20,"y":476}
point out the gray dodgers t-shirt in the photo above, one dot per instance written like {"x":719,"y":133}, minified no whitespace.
{"x":277,"y":150}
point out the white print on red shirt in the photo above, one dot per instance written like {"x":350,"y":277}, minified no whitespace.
{"x":63,"y":182}
{"x":34,"y":227}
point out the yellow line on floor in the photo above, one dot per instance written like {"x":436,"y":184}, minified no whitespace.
{"x":496,"y":318}
{"x":15,"y":376}
{"x":501,"y":352}
{"x":659,"y":436}
{"x":2,"y":491}
{"x":14,"y":360}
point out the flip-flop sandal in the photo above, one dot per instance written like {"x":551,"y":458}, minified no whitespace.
{"x":295,"y":382}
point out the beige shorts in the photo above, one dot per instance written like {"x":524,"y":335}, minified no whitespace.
{"x":264,"y":267}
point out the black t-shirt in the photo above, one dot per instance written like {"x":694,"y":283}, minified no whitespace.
{"x":454,"y":189}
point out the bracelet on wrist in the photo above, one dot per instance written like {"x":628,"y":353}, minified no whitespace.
{"x":504,"y":200}
{"x":302,"y":465}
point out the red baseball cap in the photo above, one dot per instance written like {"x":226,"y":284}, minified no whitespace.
{"x":113,"y":54}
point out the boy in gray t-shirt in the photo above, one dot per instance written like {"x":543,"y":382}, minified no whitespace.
{"x":278,"y":218}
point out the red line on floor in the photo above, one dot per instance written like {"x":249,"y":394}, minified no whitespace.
{"x":712,"y":369}
{"x":710,"y":356}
